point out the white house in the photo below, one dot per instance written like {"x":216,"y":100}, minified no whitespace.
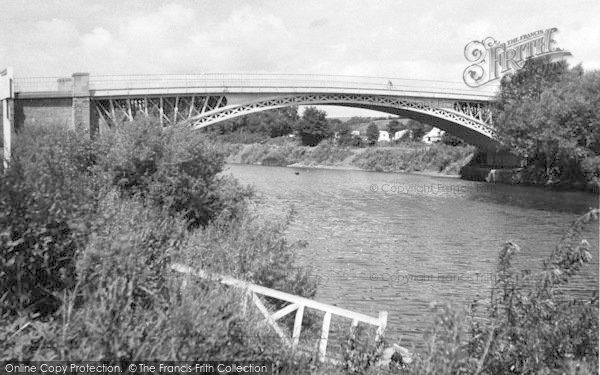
{"x":434,"y":135}
{"x":401,"y":133}
{"x":355,"y":132}
{"x":383,"y":136}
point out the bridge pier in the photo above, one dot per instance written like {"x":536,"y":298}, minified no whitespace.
{"x":493,"y":166}
{"x":81,"y":110}
{"x":7,"y":107}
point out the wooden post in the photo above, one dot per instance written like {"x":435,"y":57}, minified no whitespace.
{"x":382,"y":326}
{"x":162,"y":111}
{"x":297,"y":326}
{"x":353,"y":328}
{"x":324,"y":336}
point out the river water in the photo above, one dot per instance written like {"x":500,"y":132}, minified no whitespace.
{"x":398,"y":242}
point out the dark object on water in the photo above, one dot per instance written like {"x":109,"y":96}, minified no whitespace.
{"x":296,"y":173}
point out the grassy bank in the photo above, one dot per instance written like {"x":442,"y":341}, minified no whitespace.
{"x":88,"y":230}
{"x":407,"y":157}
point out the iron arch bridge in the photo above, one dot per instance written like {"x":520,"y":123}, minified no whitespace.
{"x":205,"y":99}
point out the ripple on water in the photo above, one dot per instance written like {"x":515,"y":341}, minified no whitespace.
{"x":399,"y":251}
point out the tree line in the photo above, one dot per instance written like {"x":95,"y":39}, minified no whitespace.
{"x":312,"y":127}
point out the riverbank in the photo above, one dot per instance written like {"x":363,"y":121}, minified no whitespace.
{"x":526,"y":176}
{"x":437,"y":159}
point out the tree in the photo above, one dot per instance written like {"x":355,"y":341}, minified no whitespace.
{"x":272,"y":123}
{"x":284,"y":122}
{"x":393,"y":127}
{"x":451,"y":140}
{"x":548,"y":114}
{"x":372,"y":133}
{"x":418,"y":129}
{"x":344,"y":136}
{"x":418,"y":133}
{"x":313,"y":127}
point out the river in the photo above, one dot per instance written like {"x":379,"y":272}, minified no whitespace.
{"x":398,"y":242}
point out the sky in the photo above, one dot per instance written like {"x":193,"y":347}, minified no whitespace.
{"x":405,"y":39}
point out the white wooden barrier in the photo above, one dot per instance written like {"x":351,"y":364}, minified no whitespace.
{"x":297,"y":303}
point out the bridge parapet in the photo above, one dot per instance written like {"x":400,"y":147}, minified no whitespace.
{"x":119,"y":85}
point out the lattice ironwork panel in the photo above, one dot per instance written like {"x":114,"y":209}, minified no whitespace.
{"x":168,"y":109}
{"x":475,"y":116}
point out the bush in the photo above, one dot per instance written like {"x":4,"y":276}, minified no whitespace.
{"x":173,"y":168}
{"x":46,"y":198}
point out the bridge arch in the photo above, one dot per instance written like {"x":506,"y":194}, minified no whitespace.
{"x":467,"y":120}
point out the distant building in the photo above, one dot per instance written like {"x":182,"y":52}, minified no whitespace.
{"x":355,"y":132}
{"x":383,"y":136}
{"x":434,"y":135}
{"x":401,"y":134}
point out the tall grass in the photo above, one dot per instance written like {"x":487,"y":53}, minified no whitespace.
{"x":88,"y":230}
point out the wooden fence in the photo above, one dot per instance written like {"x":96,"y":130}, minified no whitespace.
{"x":296,"y":303}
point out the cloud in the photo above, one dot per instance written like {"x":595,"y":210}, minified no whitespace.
{"x":386,"y":38}
{"x":319,"y":22}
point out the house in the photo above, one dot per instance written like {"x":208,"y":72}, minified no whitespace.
{"x":401,"y":134}
{"x":356,"y":133}
{"x":434,"y":135}
{"x":383,"y":136}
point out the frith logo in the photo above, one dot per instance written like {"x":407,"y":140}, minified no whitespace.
{"x":491,"y":59}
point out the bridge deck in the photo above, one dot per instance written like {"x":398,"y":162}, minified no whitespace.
{"x":216,"y":83}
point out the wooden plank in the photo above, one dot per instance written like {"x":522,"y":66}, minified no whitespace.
{"x":382,"y":325}
{"x":324,"y":336}
{"x":353,"y":328}
{"x":283,"y":312}
{"x":270,"y":320}
{"x":297,"y":326}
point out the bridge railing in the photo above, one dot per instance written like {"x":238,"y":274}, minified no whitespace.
{"x":232,"y":81}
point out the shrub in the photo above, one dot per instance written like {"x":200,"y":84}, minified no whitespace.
{"x":172,"y":168}
{"x":46,"y":198}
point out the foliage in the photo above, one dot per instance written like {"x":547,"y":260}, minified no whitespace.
{"x":372,"y":133}
{"x":413,"y":157}
{"x":394,"y":126}
{"x":49,"y":199}
{"x":93,"y":238}
{"x":271,"y":123}
{"x":451,"y":140}
{"x":547,"y":113}
{"x":313,"y":127}
{"x":46,"y":196}
{"x":344,"y":136}
{"x":251,"y":249}
{"x":172,"y":168}
{"x":127,"y":305}
{"x":529,"y":327}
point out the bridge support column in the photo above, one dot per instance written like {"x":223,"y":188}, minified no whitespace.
{"x":7,"y":106}
{"x":7,"y":129}
{"x":82,"y":119}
